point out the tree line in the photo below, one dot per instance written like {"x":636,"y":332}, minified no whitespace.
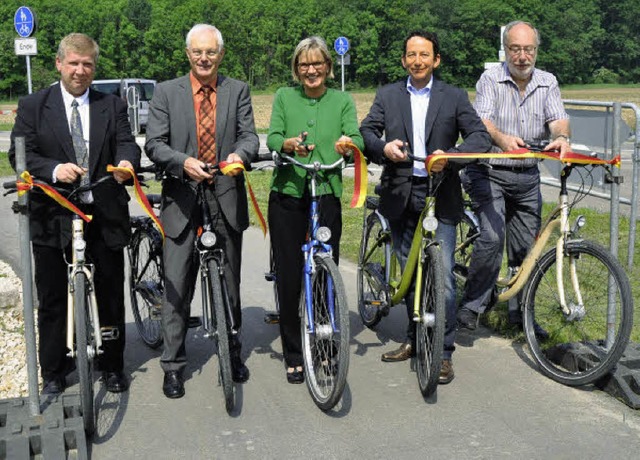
{"x":591,"y":41}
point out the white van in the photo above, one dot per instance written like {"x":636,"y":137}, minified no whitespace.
{"x":119,"y":88}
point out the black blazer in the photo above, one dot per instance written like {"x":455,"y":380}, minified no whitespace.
{"x":42,"y":121}
{"x":450,"y":115}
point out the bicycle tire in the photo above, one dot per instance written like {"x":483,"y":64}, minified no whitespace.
{"x":273,"y":317}
{"x":84,"y":361}
{"x":326,"y":351}
{"x":466,"y":233}
{"x":146,"y":284}
{"x":371,"y":283}
{"x":219,"y":315}
{"x":430,"y":328}
{"x":575,"y":351}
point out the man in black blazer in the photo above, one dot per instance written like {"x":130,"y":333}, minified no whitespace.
{"x":174,"y":143}
{"x":44,"y":119}
{"x":424,"y":116}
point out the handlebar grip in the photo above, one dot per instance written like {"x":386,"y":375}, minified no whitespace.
{"x":11,"y":186}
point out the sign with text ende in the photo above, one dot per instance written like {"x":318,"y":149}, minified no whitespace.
{"x":26,"y":46}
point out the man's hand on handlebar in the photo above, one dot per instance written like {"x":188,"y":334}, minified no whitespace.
{"x":69,"y":173}
{"x":234,"y":158}
{"x":440,"y":164}
{"x":197,"y":170}
{"x":508,"y":143}
{"x":395,"y":151}
{"x":559,"y":144}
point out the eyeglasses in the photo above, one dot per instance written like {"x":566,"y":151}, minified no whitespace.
{"x":209,"y":53}
{"x":304,"y":66}
{"x":516,"y":50}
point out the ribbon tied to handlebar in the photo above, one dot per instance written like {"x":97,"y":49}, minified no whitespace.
{"x":568,"y":157}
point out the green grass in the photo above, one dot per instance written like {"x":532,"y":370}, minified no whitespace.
{"x":5,"y":166}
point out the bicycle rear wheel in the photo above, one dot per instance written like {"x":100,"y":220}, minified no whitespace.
{"x":467,"y":232}
{"x":273,"y":317}
{"x":579,"y":348}
{"x":219,"y":315}
{"x":146,"y":284}
{"x":375,"y":254}
{"x":85,"y":349}
{"x":325,"y":350}
{"x":431,"y":325}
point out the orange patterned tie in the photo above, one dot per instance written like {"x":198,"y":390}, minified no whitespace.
{"x":207,"y":149}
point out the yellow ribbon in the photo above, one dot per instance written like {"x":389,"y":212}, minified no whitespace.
{"x":226,"y":167}
{"x":361,"y":178}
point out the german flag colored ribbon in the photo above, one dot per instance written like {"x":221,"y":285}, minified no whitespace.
{"x":226,"y":167}
{"x":28,"y":183}
{"x":361,"y":179}
{"x":569,"y":157}
{"x":141,"y":198}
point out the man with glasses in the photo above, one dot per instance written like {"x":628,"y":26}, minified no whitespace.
{"x":198,"y":119}
{"x":422,"y":115}
{"x":518,"y":103}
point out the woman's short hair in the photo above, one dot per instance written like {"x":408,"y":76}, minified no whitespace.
{"x":306,"y":45}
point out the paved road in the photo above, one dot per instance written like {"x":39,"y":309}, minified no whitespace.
{"x":498,"y":406}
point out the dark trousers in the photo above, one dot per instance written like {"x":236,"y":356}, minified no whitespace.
{"x":288,"y":226}
{"x":508,"y":205}
{"x":181,"y":264}
{"x":51,"y":283}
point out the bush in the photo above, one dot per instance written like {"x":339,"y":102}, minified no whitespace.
{"x":604,"y":75}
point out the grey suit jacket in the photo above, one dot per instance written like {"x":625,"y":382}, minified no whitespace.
{"x":449,"y":116}
{"x":172,"y":138}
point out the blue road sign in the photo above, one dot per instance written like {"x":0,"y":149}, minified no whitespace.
{"x":341,"y":45}
{"x":24,"y":22}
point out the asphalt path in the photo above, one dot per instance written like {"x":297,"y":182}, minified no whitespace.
{"x":498,"y":406}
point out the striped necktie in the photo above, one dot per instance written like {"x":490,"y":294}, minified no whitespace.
{"x":80,"y":147}
{"x":207,"y":149}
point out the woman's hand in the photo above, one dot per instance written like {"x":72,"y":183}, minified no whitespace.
{"x":340,"y":146}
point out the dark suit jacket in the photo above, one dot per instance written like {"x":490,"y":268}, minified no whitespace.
{"x":42,"y":120}
{"x":450,"y":115}
{"x":172,"y":138}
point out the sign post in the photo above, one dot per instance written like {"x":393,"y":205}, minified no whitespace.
{"x":341,"y":45}
{"x":24,"y":22}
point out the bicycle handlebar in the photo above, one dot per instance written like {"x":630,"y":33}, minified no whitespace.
{"x":279,"y":158}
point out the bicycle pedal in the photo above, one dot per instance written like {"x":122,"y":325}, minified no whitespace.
{"x":155,"y":313}
{"x":109,"y":333}
{"x":272,"y":318}
{"x":194,"y":321}
{"x":269,"y":276}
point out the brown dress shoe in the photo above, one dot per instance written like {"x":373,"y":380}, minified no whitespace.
{"x":446,"y":372}
{"x":401,"y":354}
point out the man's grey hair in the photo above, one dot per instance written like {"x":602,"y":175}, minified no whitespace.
{"x":512,"y":24}
{"x":202,"y":27}
{"x":78,"y":43}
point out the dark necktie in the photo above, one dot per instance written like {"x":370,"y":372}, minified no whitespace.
{"x":82,"y":155}
{"x":207,"y":149}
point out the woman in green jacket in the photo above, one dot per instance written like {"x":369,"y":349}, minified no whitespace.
{"x":312,"y":123}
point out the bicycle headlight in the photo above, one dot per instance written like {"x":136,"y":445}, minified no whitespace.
{"x":430,"y":223}
{"x":208,"y":239}
{"x":323,"y":234}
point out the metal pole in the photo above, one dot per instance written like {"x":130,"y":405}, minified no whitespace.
{"x":615,"y":219}
{"x":342,"y":69}
{"x":27,"y":288}
{"x":29,"y":73}
{"x":635,"y":158}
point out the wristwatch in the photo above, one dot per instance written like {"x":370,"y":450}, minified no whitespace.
{"x":565,"y":138}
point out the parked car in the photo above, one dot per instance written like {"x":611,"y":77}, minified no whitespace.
{"x":119,"y":88}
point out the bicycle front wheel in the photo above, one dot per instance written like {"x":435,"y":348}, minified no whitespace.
{"x":85,"y":350}
{"x":146,"y":284}
{"x":219,"y":315}
{"x":431,"y":324}
{"x":466,"y":233}
{"x":578,"y":347}
{"x":375,"y":253}
{"x":325,"y":348}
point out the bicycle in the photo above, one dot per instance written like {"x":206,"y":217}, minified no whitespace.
{"x":146,"y":273}
{"x":84,"y":334}
{"x":575,"y":336}
{"x":323,"y":302}
{"x":381,"y":285}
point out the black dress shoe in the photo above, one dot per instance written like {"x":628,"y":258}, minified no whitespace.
{"x":115,"y":382}
{"x":467,"y":319}
{"x":446,"y":372}
{"x":239,"y":372}
{"x":54,"y":386}
{"x":295,"y":377}
{"x":403,"y":353}
{"x":172,"y":385}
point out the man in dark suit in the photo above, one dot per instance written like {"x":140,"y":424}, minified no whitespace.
{"x":425,"y":116}
{"x":62,"y":125}
{"x":200,"y":118}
